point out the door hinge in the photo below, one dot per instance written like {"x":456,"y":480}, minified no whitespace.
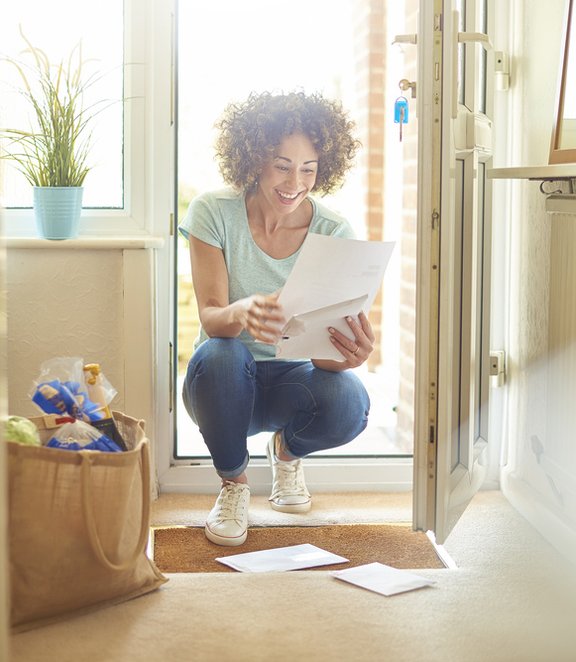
{"x":173,"y":58}
{"x":171,"y":389}
{"x":497,"y":367}
{"x":171,"y":224}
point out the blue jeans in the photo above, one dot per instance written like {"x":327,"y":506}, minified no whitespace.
{"x":230,"y":396}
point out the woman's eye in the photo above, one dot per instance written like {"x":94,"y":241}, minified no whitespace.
{"x":282,"y":168}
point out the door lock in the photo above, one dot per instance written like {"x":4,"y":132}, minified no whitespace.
{"x":405,"y":84}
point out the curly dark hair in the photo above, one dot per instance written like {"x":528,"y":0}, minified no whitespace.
{"x":250,"y":131}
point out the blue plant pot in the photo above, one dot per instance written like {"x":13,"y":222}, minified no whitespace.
{"x":57,"y":211}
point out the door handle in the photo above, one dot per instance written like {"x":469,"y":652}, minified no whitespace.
{"x":405,"y":39}
{"x":463,"y":38}
{"x":477,"y":37}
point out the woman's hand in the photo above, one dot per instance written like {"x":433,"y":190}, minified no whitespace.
{"x":262,"y":316}
{"x":355,"y":351}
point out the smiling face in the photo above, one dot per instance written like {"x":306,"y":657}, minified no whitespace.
{"x":290,"y":175}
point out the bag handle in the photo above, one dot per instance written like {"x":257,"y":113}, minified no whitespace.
{"x":90,"y":519}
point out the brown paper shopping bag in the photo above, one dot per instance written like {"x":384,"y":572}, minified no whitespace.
{"x":78,"y":527}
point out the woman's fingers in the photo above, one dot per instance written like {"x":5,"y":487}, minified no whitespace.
{"x":268,"y":308}
{"x":357,"y":349}
{"x":265,"y":318}
{"x":366,"y":327}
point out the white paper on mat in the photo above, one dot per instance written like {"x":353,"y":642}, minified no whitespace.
{"x":382,"y":578}
{"x":332,"y":278}
{"x":294,"y":557}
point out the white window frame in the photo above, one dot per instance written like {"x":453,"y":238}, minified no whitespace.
{"x":326,"y":475}
{"x":136,"y":218}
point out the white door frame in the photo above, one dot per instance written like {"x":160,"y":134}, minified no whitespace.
{"x":322,"y":474}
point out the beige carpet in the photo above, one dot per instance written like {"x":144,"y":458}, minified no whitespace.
{"x":510,"y":600}
{"x":186,"y":549}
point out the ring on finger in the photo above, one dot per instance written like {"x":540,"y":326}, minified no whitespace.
{"x":356,"y":350}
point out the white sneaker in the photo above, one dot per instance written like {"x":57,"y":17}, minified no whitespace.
{"x":227,"y":522}
{"x":289,"y":493}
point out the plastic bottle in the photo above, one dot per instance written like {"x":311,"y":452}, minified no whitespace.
{"x":97,"y":393}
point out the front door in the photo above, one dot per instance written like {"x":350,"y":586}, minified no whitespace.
{"x":453,"y":275}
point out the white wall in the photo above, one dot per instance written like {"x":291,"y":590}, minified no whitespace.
{"x":63,"y":303}
{"x":536,"y":270}
{"x":90,"y":301}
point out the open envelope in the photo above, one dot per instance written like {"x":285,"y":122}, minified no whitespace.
{"x":306,"y":334}
{"x":332,"y":278}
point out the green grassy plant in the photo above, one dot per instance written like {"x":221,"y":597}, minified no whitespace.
{"x":55,"y":151}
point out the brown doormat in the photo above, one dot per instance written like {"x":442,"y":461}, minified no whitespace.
{"x":186,"y":549}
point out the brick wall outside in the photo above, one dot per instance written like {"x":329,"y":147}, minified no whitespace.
{"x":373,"y":107}
{"x":370,"y":71}
{"x":405,"y":410}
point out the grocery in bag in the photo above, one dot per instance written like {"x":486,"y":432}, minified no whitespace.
{"x":68,"y":387}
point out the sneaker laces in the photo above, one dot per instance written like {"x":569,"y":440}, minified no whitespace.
{"x":231,"y":502}
{"x":289,"y":479}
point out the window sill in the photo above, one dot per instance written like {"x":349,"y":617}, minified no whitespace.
{"x":91,"y":243}
{"x":543,"y":172}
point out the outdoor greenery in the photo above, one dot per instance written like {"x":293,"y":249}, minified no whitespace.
{"x":54,"y":152}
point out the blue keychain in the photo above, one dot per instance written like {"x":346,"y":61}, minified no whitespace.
{"x":401,"y":104}
{"x":401,"y":113}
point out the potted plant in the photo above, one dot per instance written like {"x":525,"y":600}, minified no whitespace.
{"x":53,"y":155}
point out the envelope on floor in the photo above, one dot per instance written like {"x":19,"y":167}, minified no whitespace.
{"x":382,"y":578}
{"x":294,"y":557}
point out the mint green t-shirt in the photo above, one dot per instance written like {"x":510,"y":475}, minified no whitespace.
{"x":219,"y":218}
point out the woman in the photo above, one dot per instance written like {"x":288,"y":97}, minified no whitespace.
{"x":273,"y":151}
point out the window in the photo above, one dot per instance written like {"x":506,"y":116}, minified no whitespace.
{"x":116,"y":49}
{"x":98,"y":28}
